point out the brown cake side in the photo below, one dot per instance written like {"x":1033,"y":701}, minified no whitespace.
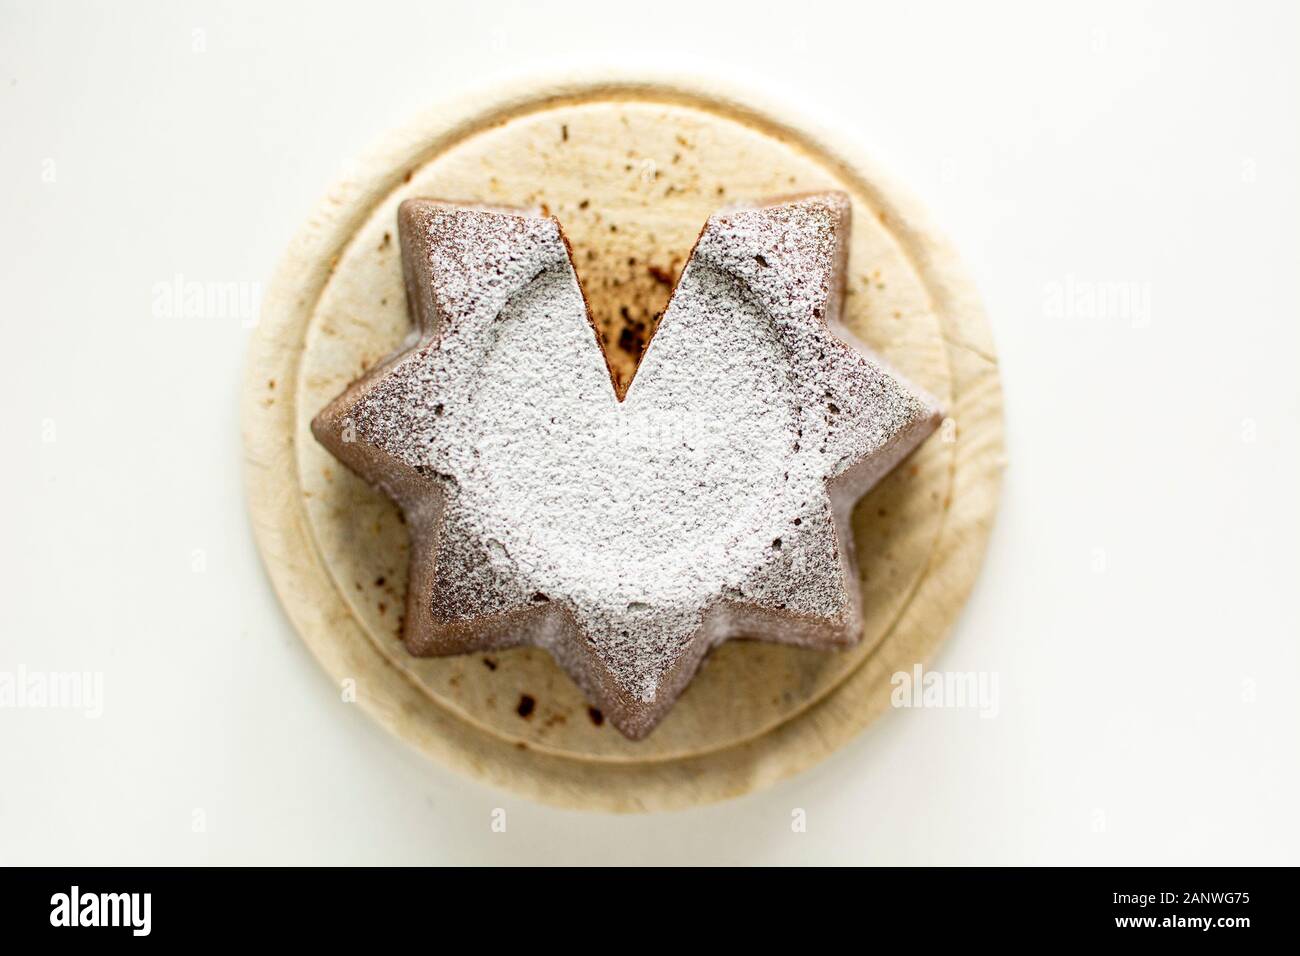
{"x":627,"y":534}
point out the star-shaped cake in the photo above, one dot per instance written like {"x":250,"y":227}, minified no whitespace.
{"x":628,"y":534}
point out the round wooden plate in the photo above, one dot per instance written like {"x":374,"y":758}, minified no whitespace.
{"x":632,"y":168}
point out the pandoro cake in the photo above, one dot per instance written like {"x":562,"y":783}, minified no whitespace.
{"x":627,"y":531}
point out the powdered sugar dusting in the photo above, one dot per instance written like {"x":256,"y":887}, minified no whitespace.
{"x":657,"y":526}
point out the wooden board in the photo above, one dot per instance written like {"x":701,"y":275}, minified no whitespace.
{"x":632,"y":168}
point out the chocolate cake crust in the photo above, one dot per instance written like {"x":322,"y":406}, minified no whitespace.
{"x":627,"y":534}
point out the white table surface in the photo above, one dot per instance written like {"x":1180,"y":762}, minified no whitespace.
{"x":1138,"y":603}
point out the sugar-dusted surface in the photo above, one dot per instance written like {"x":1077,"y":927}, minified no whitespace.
{"x":629,"y":231}
{"x":628,"y":537}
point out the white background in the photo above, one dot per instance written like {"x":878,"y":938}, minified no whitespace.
{"x":1139,"y":598}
